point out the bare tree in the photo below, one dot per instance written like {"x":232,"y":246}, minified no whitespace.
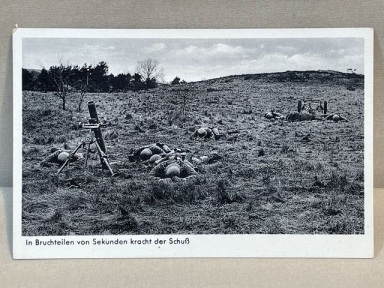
{"x":83,"y":88}
{"x":60,"y":77}
{"x":150,"y":69}
{"x":81,"y":83}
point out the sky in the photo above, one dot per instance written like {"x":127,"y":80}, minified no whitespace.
{"x":199,"y":59}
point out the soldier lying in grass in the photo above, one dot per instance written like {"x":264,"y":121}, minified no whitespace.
{"x":273,"y":115}
{"x":173,"y":169}
{"x":212,"y":158}
{"x":59,"y":156}
{"x":158,"y":158}
{"x":146,"y":152}
{"x":336,"y":118}
{"x":207,"y":133}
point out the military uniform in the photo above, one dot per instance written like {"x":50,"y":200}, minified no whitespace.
{"x":186,"y":169}
{"x":54,"y":157}
{"x":156,"y":148}
{"x":207,"y":133}
{"x":172,"y":155}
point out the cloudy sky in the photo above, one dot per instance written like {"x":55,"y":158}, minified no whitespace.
{"x":198,"y":59}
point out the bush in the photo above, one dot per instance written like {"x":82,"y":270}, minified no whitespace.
{"x":176,"y":81}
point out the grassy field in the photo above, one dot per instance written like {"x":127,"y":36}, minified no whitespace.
{"x":275,"y":177}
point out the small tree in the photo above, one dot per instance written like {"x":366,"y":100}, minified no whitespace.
{"x":60,"y":77}
{"x":150,"y":72}
{"x":150,"y":83}
{"x":175,"y":81}
{"x":137,"y":83}
{"x":100,"y":80}
{"x":44,"y":81}
{"x":121,"y":82}
{"x":27,"y":80}
{"x":81,"y":82}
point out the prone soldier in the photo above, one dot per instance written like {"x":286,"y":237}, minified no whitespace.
{"x":173,"y":169}
{"x":172,"y":154}
{"x":146,"y":152}
{"x":207,"y":133}
{"x":59,"y":156}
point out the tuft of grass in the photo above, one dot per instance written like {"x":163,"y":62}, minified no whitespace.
{"x":125,"y":224}
{"x":342,"y":184}
{"x":225,"y":195}
{"x":285,"y":149}
{"x":273,"y":226}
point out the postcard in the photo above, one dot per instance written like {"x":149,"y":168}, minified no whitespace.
{"x":193,"y":143}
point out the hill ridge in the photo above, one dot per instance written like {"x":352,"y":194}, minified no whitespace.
{"x":288,"y":72}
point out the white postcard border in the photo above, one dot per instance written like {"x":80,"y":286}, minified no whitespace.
{"x":323,"y":246}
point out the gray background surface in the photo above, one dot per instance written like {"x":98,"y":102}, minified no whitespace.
{"x":188,"y":272}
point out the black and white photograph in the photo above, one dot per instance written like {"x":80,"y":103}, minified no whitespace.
{"x":193,"y":143}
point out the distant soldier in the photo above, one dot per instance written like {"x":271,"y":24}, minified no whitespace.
{"x":273,"y":115}
{"x":268,"y":115}
{"x":336,"y":118}
{"x":212,"y":158}
{"x":207,"y":133}
{"x":146,"y":152}
{"x":59,"y":156}
{"x":174,"y":169}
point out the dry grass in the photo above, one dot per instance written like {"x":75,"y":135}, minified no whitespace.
{"x":272,"y":179}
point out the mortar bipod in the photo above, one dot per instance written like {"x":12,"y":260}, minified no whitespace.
{"x":87,"y":144}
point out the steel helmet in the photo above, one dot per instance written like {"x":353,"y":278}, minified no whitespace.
{"x":202,"y":132}
{"x":172,"y":170}
{"x":62,"y":157}
{"x":145,"y":154}
{"x":154,"y":158}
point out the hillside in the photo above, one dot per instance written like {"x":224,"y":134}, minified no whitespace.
{"x":266,"y":182}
